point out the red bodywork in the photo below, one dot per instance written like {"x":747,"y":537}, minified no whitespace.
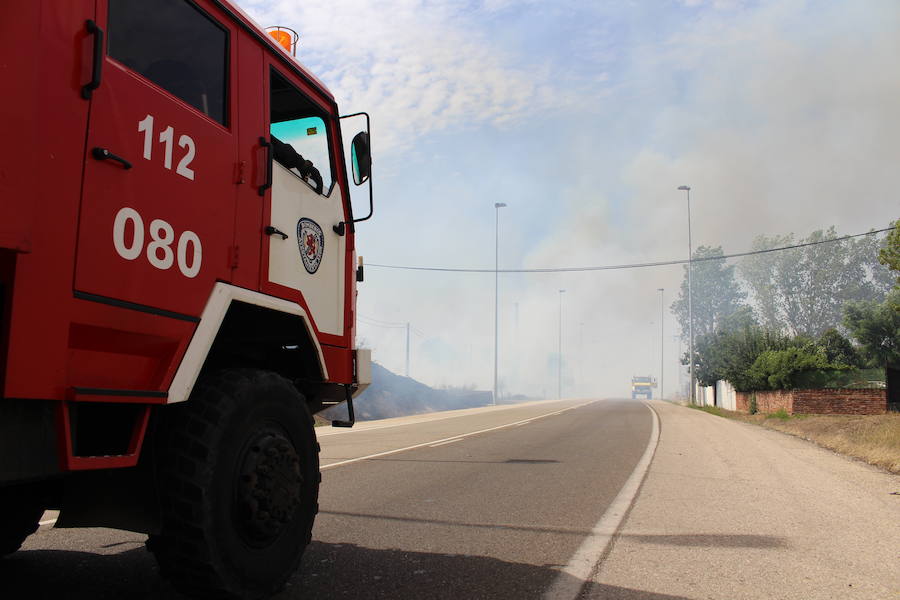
{"x":81,"y":322}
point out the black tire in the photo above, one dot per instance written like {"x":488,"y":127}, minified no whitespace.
{"x":20,"y":511}
{"x":238,"y":472}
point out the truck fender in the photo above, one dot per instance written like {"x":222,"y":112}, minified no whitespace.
{"x":220,"y":300}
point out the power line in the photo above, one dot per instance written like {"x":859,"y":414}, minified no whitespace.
{"x":661,"y":263}
{"x":380,"y":323}
{"x":388,"y":324}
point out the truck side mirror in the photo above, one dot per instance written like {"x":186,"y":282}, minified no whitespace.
{"x":361,"y":158}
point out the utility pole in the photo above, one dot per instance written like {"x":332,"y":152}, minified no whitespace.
{"x":407,"y":348}
{"x":497,"y":207}
{"x":687,"y":189}
{"x":559,"y":354}
{"x":661,"y":346}
{"x":580,"y":380}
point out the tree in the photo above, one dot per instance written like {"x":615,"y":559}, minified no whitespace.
{"x":869,"y":250}
{"x":889,"y":255}
{"x":838,"y":349}
{"x":716,"y":293}
{"x":803,"y":291}
{"x":876,"y":326}
{"x":738,"y":351}
{"x":760,"y":272}
{"x":709,"y":358}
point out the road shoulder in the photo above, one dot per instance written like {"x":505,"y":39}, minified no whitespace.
{"x":730,"y":510}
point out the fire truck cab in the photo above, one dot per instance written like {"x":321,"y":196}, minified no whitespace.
{"x":177,"y":283}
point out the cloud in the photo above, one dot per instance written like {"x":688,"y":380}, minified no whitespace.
{"x":419,"y":66}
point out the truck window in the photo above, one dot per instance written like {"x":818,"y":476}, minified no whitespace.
{"x":176,"y":46}
{"x":300,"y":135}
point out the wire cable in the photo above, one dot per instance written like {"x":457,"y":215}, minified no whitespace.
{"x":389,"y":324}
{"x":661,"y":263}
{"x":379,"y":323}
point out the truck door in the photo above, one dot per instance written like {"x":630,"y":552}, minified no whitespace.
{"x":158,"y":198}
{"x":305,"y":250}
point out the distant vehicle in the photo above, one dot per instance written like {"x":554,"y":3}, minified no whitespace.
{"x":642,"y":386}
{"x":177,"y":283}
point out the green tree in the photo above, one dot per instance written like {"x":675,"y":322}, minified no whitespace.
{"x":869,"y":249}
{"x":876,"y":326}
{"x":740,"y":349}
{"x":709,"y":354}
{"x":889,"y":255}
{"x":716,"y":293}
{"x":803,"y":291}
{"x":760,"y":272}
{"x":838,"y":349}
{"x":707,"y":359}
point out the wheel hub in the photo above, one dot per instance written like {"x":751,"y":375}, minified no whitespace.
{"x":268,"y":488}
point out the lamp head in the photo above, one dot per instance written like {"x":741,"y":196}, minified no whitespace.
{"x":499,"y":204}
{"x":686,"y":188}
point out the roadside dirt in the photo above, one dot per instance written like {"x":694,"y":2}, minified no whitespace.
{"x":874,"y":439}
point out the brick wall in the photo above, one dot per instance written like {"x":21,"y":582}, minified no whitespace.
{"x":840,"y":402}
{"x":823,"y":402}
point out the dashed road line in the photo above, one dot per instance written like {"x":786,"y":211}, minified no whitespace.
{"x":452,"y":438}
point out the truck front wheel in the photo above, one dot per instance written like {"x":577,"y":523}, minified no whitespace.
{"x":238,"y":472}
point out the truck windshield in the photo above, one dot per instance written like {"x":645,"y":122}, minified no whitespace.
{"x":295,"y":120}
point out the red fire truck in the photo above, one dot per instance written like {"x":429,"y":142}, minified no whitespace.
{"x":177,"y":283}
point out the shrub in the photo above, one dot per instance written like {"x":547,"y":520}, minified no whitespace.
{"x":840,"y":378}
{"x":740,"y":349}
{"x":780,"y":414}
{"x":778,"y":369}
{"x":752,"y":409}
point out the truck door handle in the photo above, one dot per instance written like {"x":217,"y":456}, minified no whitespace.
{"x":104,"y":154}
{"x":87,"y":90}
{"x":275,"y":231}
{"x":268,"y":183}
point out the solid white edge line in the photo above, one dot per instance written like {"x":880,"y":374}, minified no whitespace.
{"x":581,"y":567}
{"x":452,"y":438}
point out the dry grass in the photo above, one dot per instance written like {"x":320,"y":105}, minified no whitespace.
{"x":874,"y":439}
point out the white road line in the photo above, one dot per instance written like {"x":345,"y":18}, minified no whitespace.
{"x":424,"y":418}
{"x":444,"y":443}
{"x":453,"y":438}
{"x":586,"y":559}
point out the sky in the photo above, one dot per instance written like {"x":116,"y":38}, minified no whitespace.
{"x":584,"y":118}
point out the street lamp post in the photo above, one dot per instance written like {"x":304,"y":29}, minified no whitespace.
{"x":687,"y":188}
{"x":497,"y":207}
{"x":559,"y":353}
{"x":661,"y":346}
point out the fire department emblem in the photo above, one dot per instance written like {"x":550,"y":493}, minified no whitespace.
{"x":312,"y":244}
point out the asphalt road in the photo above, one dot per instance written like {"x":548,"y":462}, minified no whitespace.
{"x":486,"y":503}
{"x":526,"y":502}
